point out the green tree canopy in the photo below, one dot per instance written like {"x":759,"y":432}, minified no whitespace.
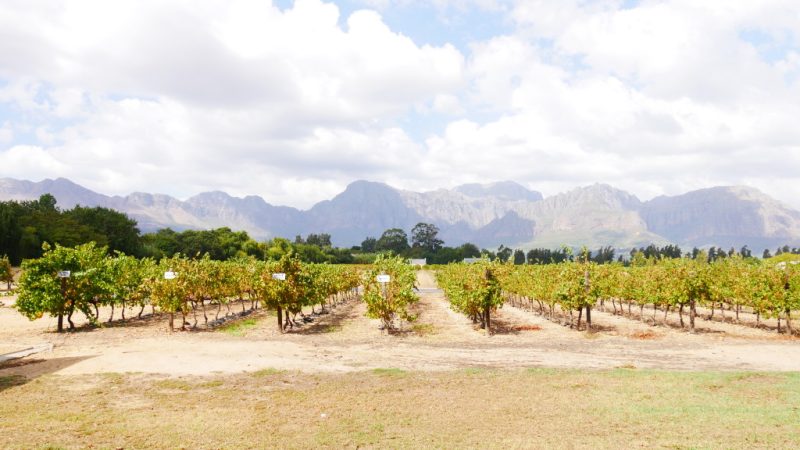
{"x":394,"y":240}
{"x":424,"y":236}
{"x":120,"y":231}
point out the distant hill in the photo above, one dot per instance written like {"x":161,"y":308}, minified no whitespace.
{"x":488,"y":215}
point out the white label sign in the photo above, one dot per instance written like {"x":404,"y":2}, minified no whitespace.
{"x":64,"y":274}
{"x":170,"y":275}
{"x":279,"y":276}
{"x":383,"y":278}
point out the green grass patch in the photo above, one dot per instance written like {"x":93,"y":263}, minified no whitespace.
{"x":269,"y":371}
{"x":389,"y":371}
{"x":11,"y":381}
{"x":332,"y":329}
{"x":239,"y":328}
{"x":173,"y":384}
{"x":423,"y":329}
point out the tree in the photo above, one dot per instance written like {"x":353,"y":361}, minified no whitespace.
{"x":606,"y":255}
{"x":504,"y":253}
{"x":519,"y":257}
{"x":278,"y":247}
{"x":445,"y":255}
{"x":339,"y":255}
{"x":10,"y":231}
{"x":162,"y":243}
{"x":469,"y":250}
{"x":369,"y":245}
{"x":46,"y":203}
{"x":320,"y":240}
{"x":310,"y":253}
{"x":766,"y":254}
{"x":120,"y":230}
{"x":394,"y":240}
{"x":423,"y":236}
{"x":6,"y":275}
{"x":221,"y":244}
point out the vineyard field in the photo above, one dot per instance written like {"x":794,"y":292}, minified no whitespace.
{"x":339,"y":380}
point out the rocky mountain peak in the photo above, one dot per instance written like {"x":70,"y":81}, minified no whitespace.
{"x":490,"y":214}
{"x":503,"y":190}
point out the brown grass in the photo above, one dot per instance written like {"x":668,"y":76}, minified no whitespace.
{"x":486,"y":408}
{"x":645,"y":335}
{"x":526,"y":328}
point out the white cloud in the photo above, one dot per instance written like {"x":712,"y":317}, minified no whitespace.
{"x":181,"y":97}
{"x":31,"y":162}
{"x":6,"y":133}
{"x":186,"y":96}
{"x":660,"y":98}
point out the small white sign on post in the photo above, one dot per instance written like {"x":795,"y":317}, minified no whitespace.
{"x":383,"y":278}
{"x":170,"y":275}
{"x":279,"y":276}
{"x":64,"y":273}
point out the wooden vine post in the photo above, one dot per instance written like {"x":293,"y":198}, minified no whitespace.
{"x":487,"y":303}
{"x":586,"y":284}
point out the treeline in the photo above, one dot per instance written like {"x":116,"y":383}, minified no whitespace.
{"x":26,"y":225}
{"x":603,"y":255}
{"x":542,"y":256}
{"x":423,"y":243}
{"x":222,"y":244}
{"x":782,"y":251}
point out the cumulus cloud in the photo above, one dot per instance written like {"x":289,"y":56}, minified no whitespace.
{"x":242,"y":96}
{"x":662,"y":97}
{"x":657,"y":97}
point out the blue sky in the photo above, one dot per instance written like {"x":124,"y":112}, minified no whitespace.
{"x":293,"y":100}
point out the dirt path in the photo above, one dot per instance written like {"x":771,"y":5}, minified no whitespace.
{"x":345,"y":340}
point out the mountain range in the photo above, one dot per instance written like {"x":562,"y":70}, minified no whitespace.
{"x":485,"y":214}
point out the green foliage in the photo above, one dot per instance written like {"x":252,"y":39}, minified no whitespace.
{"x":41,"y":291}
{"x":25,"y":226}
{"x":389,"y":301}
{"x":10,"y":231}
{"x":220,"y":244}
{"x":239,"y":328}
{"x":171,"y":295}
{"x":393,"y":240}
{"x":767,"y":289}
{"x":369,"y":245}
{"x":424,"y":236}
{"x":784,"y":257}
{"x":119,"y":230}
{"x":224,"y":244}
{"x":285,"y":294}
{"x":6,"y":275}
{"x":473,"y":289}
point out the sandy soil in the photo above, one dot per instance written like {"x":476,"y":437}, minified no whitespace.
{"x":345,"y":340}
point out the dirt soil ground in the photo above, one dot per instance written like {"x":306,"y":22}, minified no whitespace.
{"x":345,"y":341}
